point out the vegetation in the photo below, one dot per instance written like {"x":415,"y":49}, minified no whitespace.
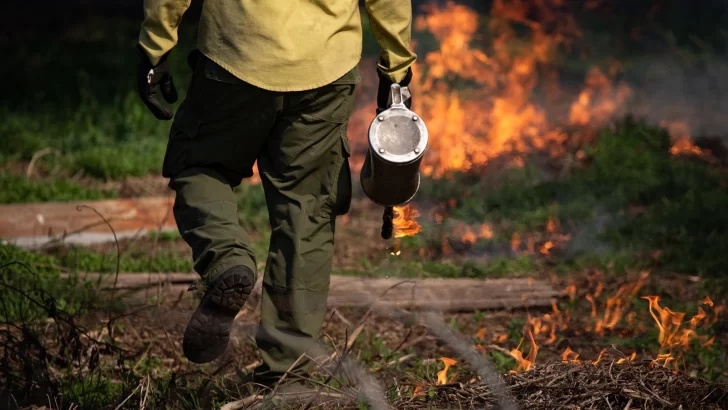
{"x":31,"y":288}
{"x":631,"y":202}
{"x":18,"y":189}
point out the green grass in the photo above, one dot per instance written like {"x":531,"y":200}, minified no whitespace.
{"x":76,"y":93}
{"x":398,"y":267}
{"x":19,"y":189}
{"x":682,"y":201}
{"x":133,"y":259}
{"x":25,"y":276}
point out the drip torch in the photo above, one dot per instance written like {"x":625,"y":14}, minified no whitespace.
{"x":397,"y":141}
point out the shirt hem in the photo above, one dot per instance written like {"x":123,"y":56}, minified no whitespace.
{"x":269,"y":87}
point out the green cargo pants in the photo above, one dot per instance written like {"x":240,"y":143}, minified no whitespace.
{"x":300,"y":144}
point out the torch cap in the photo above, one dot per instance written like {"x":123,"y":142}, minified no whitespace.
{"x":398,"y":135}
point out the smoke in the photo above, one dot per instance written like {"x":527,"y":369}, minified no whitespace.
{"x":679,"y":88}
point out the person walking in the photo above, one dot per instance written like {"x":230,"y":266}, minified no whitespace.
{"x":273,"y":83}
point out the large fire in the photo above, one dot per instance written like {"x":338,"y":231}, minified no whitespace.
{"x":483,"y":99}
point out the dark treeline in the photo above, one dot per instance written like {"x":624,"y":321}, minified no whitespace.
{"x":692,"y":23}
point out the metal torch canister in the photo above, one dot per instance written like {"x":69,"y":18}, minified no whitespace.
{"x":397,"y":141}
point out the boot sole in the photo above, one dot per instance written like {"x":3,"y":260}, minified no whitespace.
{"x":208,"y":332}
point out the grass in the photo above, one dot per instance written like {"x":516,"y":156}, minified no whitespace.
{"x":133,"y":259}
{"x":25,"y":276}
{"x":633,"y":200}
{"x":19,"y":189}
{"x":374,"y":348}
{"x":99,"y":116}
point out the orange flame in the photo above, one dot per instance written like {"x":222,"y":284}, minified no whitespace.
{"x":525,"y":363}
{"x":404,"y":221}
{"x":628,"y":359}
{"x":707,"y":301}
{"x":546,"y":247}
{"x":486,"y":231}
{"x":571,"y":291}
{"x":569,"y":356}
{"x":442,"y":374}
{"x":419,"y":391}
{"x":680,"y":133}
{"x":515,"y":241}
{"x":480,"y":334}
{"x":600,"y":357}
{"x":499,"y":116}
{"x":617,"y":305}
{"x":674,"y":337}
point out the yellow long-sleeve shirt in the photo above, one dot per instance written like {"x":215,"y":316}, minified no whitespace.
{"x":285,"y":45}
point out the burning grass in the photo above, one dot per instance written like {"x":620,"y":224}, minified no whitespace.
{"x":116,"y":350}
{"x":606,"y":385}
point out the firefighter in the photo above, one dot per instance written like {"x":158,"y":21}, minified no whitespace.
{"x":273,"y":82}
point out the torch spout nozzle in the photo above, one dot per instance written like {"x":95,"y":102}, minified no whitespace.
{"x":387,"y":225}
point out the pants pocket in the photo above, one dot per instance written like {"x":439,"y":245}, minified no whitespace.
{"x":343,"y":193}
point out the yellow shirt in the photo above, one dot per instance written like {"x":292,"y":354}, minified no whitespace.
{"x":286,"y":45}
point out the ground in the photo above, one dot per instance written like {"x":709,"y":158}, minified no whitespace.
{"x":404,"y":357}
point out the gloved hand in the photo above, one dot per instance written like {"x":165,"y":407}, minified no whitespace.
{"x":384,"y":91}
{"x":148,"y":78}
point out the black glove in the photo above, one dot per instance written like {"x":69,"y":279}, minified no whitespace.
{"x":385,"y":87}
{"x":148,"y":78}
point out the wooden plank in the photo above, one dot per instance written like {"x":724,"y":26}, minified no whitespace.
{"x":449,"y":295}
{"x":34,"y":224}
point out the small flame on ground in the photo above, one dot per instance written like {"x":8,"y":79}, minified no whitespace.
{"x":617,"y":305}
{"x":480,"y":334}
{"x":627,"y":359}
{"x":525,"y":363}
{"x":515,"y":241}
{"x":569,"y":356}
{"x":470,"y":235}
{"x":419,"y":390}
{"x":571,"y":291}
{"x":675,"y":334}
{"x":600,"y":357}
{"x":683,"y":142}
{"x":442,"y":374}
{"x":707,"y":301}
{"x":500,"y":338}
{"x":546,"y":247}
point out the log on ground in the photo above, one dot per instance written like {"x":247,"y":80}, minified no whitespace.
{"x":447,"y":295}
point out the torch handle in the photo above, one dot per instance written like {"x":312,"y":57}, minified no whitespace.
{"x":387,"y":226}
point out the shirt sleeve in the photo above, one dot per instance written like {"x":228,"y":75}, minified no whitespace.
{"x":391,"y":23}
{"x":158,"y":34}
